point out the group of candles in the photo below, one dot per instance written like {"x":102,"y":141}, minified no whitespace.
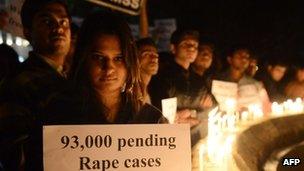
{"x":223,"y":121}
{"x":288,"y":107}
{"x":222,"y":129}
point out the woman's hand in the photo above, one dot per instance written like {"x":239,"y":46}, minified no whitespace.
{"x":185,"y":116}
{"x":206,"y":102}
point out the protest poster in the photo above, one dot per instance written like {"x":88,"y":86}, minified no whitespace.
{"x":14,"y":25}
{"x":162,"y":32}
{"x":135,"y":31}
{"x":224,"y":91}
{"x":248,"y":95}
{"x":131,"y":7}
{"x":117,"y":147}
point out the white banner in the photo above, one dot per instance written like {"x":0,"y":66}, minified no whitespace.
{"x":248,"y":95}
{"x":117,"y":147}
{"x":224,"y":91}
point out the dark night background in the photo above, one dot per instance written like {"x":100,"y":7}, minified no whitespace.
{"x":273,"y":29}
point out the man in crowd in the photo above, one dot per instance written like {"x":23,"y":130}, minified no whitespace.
{"x":46,"y":24}
{"x":205,"y":64}
{"x":175,"y":79}
{"x":272,"y":79}
{"x":295,"y":87}
{"x":148,"y":59}
{"x":248,"y":88}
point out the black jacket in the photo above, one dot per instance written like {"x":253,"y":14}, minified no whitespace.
{"x":175,"y":81}
{"x":22,"y":100}
{"x":79,"y":106}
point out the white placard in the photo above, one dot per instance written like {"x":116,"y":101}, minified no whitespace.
{"x":223,"y":91}
{"x":169,"y":108}
{"x":117,"y":147}
{"x":248,"y":95}
{"x":14,"y":25}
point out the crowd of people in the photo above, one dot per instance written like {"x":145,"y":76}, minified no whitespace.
{"x":107,"y":77}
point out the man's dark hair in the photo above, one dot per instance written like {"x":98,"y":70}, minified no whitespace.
{"x":145,"y":41}
{"x":230,"y":51}
{"x":180,"y":35}
{"x":31,"y":7}
{"x":278,"y":61}
{"x":206,"y":41}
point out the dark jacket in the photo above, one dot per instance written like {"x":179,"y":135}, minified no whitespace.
{"x":79,"y":106}
{"x":22,"y":101}
{"x":175,"y":81}
{"x":275,"y":89}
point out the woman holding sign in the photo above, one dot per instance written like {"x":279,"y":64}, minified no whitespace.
{"x":105,"y":72}
{"x":104,"y":76}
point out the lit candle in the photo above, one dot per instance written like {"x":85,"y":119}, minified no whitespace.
{"x":277,"y":109}
{"x":237,"y":117}
{"x":244,"y":116}
{"x":231,"y":122}
{"x":201,"y":157}
{"x":230,"y":105}
{"x":298,"y":106}
{"x":224,"y":122}
{"x":256,"y":110}
{"x":288,"y":106}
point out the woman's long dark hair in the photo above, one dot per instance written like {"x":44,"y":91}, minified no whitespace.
{"x":97,"y":24}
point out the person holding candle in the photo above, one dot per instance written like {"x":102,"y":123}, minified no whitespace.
{"x":238,"y":59}
{"x":105,"y":72}
{"x":105,"y":85}
{"x":295,"y":87}
{"x":204,"y":67}
{"x":272,"y":79}
{"x":176,"y":79}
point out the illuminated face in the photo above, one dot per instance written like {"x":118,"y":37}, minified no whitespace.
{"x":106,"y":65}
{"x":204,"y":57}
{"x":186,"y":50}
{"x":50,"y":32}
{"x":277,"y":72}
{"x":239,"y":60}
{"x":148,"y":58}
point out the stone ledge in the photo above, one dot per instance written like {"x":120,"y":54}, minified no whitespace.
{"x":254,"y":145}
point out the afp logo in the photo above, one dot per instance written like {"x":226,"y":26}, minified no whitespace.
{"x":291,"y":161}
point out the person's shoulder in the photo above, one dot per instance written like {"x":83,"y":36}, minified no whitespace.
{"x":294,"y":85}
{"x":149,"y":114}
{"x":161,"y":78}
{"x":65,"y":106}
{"x":222,"y":76}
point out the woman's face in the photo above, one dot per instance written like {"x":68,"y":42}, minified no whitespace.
{"x":107,"y":67}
